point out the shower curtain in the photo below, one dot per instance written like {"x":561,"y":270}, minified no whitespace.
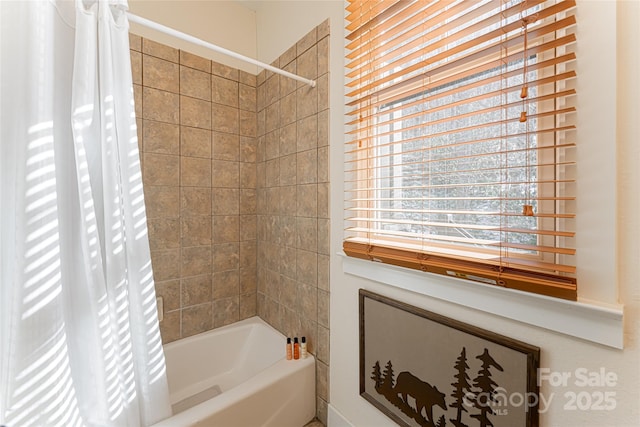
{"x":79,"y":336}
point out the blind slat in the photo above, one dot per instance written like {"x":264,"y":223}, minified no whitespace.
{"x":365,"y":85}
{"x":466,"y":240}
{"x":471,"y":113}
{"x":382,"y":112}
{"x":553,"y":62}
{"x":398,"y":24}
{"x":496,"y":123}
{"x":461,"y":212}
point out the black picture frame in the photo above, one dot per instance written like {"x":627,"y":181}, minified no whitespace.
{"x":423,"y":369}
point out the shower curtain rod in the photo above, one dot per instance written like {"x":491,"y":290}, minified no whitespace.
{"x":186,"y":37}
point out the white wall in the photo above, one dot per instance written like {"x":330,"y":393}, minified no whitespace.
{"x":280,"y":24}
{"x":225,"y":23}
{"x":608,"y":247}
{"x":608,"y":256}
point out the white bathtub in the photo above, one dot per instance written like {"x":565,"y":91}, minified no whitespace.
{"x":242,"y":371}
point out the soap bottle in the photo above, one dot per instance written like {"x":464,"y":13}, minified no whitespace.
{"x":303,"y":348}
{"x":289,"y":352}
{"x":296,"y":349}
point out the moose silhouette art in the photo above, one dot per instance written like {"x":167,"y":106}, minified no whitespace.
{"x":425,"y":395}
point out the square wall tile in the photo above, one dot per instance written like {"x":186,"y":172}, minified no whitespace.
{"x":323,"y":272}
{"x":160,"y":74}
{"x":306,"y":267}
{"x":195,"y":83}
{"x":248,"y":123}
{"x":248,"y":149}
{"x":166,"y":264}
{"x":248,"y":202}
{"x":224,"y":91}
{"x":323,"y":29}
{"x":195,"y":112}
{"x":170,"y":292}
{"x":225,"y":71}
{"x":307,"y":167}
{"x":307,"y":200}
{"x":196,"y":230}
{"x":247,"y":97}
{"x":135,"y":42}
{"x":225,"y":174}
{"x":195,"y":142}
{"x":195,"y":261}
{"x":248,"y":175}
{"x":306,"y":233}
{"x":308,"y":63}
{"x":225,"y":119}
{"x":225,"y":201}
{"x":170,"y":327}
{"x":226,"y":311}
{"x":226,"y":146}
{"x":161,"y":169}
{"x":160,"y":105}
{"x":195,"y":61}
{"x":164,"y":233}
{"x":161,"y":138}
{"x":248,"y":304}
{"x":159,"y":50}
{"x":195,"y":172}
{"x":196,"y":290}
{"x":307,"y":41}
{"x":248,"y":225}
{"x":247,"y":78}
{"x":288,"y":56}
{"x":248,"y":281}
{"x":226,"y":228}
{"x":288,"y":85}
{"x":195,"y":201}
{"x":323,"y":56}
{"x":162,"y":201}
{"x":306,"y":101}
{"x":226,"y":284}
{"x":196,"y":319}
{"x":136,"y":67}
{"x":226,"y":256}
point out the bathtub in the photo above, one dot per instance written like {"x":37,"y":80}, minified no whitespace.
{"x":238,"y":375}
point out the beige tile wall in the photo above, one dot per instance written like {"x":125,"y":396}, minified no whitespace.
{"x":236,"y":180}
{"x":197,"y":132}
{"x":293,"y":204}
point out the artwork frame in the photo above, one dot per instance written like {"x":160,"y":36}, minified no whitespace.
{"x":396,"y":335}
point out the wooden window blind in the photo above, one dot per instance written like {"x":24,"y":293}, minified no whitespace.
{"x":460,"y":152}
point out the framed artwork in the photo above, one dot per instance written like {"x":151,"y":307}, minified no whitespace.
{"x":423,"y":369}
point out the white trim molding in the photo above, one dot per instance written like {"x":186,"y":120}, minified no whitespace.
{"x":336,"y":419}
{"x":602,"y":324}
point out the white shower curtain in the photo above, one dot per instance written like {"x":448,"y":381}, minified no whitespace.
{"x":79,"y":336}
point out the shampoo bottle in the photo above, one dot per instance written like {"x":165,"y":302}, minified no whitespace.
{"x":303,"y":348}
{"x":289,"y":351}
{"x":296,"y":349}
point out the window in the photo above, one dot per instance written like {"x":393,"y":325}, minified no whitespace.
{"x":460,"y":157}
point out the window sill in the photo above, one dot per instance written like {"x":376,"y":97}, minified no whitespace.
{"x":593,"y":322}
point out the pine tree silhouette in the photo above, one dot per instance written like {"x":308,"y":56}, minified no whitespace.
{"x":461,"y":388}
{"x":387,"y":380}
{"x":376,"y":376}
{"x":485,"y":389}
{"x":441,"y":422}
